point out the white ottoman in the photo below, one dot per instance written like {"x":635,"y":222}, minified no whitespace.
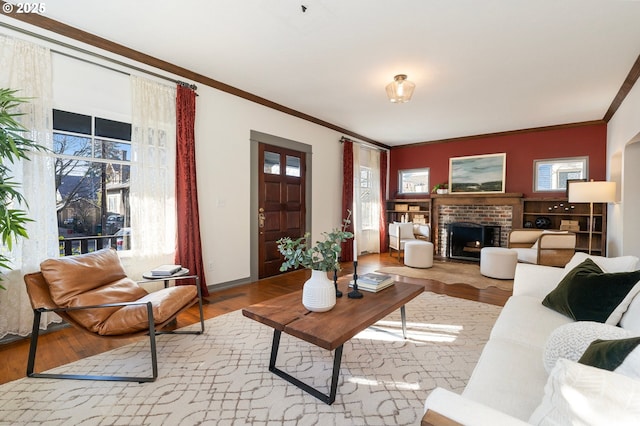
{"x":498,"y":262}
{"x":418,"y":254}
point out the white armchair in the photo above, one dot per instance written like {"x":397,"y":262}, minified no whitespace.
{"x":543,"y":247}
{"x":400,"y":233}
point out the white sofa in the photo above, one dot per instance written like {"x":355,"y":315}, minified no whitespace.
{"x":508,"y":382}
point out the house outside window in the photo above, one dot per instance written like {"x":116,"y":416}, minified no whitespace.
{"x":414,"y":181}
{"x":553,"y":174}
{"x":92,"y":175}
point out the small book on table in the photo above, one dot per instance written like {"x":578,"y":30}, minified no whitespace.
{"x":373,"y":282}
{"x":165,"y":270}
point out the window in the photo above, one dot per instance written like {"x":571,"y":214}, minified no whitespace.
{"x":413,"y":181}
{"x":366,"y":198}
{"x":92,"y":175}
{"x":552,"y":174}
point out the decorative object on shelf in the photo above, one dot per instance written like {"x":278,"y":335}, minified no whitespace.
{"x":528,"y":224}
{"x":441,"y":188}
{"x":477,"y":173}
{"x":543,"y":222}
{"x":400,"y":90}
{"x":419,"y":219}
{"x":401,"y":207}
{"x":569,"y":225}
{"x":318,"y":293}
{"x":592,"y":192}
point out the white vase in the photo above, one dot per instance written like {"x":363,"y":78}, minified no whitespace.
{"x":318,"y":292}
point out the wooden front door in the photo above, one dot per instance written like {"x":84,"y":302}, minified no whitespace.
{"x":281,"y":203}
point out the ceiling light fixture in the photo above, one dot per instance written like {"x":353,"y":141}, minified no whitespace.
{"x":400,"y":90}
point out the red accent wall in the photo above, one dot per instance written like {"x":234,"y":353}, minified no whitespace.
{"x":522,"y":149}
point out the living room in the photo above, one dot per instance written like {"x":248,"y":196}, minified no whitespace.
{"x":226,"y":118}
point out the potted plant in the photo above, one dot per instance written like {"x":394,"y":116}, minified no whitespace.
{"x":14,"y":146}
{"x":318,"y":293}
{"x":441,"y":188}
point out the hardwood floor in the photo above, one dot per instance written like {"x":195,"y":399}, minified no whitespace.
{"x":67,"y":345}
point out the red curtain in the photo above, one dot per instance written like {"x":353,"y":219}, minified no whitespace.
{"x":189,"y":249}
{"x":383,"y":198}
{"x":347,"y":197}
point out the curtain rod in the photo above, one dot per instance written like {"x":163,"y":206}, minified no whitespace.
{"x":96,"y":55}
{"x":345,"y":139}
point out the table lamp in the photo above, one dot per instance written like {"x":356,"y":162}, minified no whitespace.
{"x":592,"y":192}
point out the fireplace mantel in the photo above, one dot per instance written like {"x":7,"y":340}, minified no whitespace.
{"x":503,"y":199}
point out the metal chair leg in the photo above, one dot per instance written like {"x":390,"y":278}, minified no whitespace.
{"x":34,"y":344}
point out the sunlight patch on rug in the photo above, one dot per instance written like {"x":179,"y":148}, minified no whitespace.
{"x":417,"y":332}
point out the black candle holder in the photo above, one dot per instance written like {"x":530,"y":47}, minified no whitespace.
{"x":335,"y":283}
{"x":355,"y":294}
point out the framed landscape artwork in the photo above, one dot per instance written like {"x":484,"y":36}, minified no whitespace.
{"x":477,"y":173}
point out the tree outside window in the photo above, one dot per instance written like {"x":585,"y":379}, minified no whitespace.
{"x":92,"y":176}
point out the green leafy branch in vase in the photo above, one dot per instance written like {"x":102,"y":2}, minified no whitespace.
{"x":323,"y":256}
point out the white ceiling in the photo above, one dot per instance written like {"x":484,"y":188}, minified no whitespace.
{"x":480,"y":66}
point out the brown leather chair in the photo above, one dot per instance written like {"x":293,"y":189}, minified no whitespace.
{"x":92,"y":293}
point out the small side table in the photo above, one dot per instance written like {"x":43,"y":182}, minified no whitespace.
{"x":182,"y":274}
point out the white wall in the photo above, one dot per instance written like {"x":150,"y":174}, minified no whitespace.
{"x":223,"y":126}
{"x":86,"y":88}
{"x":623,"y":157}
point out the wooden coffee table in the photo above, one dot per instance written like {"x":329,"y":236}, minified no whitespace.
{"x":328,"y":330}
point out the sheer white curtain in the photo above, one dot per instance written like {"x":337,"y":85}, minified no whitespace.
{"x":27,"y":67}
{"x":366,"y":198}
{"x":153,"y":165}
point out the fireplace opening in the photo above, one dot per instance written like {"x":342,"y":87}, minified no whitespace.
{"x":466,"y":239}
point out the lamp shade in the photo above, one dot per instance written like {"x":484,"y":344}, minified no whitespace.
{"x":400,"y":90}
{"x":592,"y":192}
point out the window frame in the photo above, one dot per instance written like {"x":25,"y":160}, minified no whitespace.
{"x":402,"y":178}
{"x":558,"y":160}
{"x":93,"y":142}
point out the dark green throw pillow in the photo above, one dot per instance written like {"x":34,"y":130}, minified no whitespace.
{"x":588,"y":294}
{"x":611,"y":354}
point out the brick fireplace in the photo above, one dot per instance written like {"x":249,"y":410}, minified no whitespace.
{"x":504,"y":210}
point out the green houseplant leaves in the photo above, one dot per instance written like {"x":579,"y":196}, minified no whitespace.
{"x":14,"y":146}
{"x":324,"y":256}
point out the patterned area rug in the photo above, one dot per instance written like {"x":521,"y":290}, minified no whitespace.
{"x":451,"y":273}
{"x":221,"y":377}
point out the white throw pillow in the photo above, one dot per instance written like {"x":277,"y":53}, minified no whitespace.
{"x":406,"y":231}
{"x":607,"y":264}
{"x":569,"y":341}
{"x":577,"y":394}
{"x":631,"y":318}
